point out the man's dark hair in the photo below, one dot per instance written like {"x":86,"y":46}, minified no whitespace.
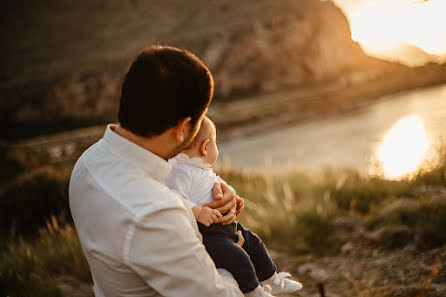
{"x":163,"y":86}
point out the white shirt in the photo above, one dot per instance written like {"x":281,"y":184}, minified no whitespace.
{"x":192,"y":179}
{"x":140,"y":239}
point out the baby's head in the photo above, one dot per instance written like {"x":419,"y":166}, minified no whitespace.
{"x":204,"y":145}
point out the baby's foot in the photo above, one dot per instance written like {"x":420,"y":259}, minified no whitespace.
{"x":258,"y":292}
{"x":279,"y":284}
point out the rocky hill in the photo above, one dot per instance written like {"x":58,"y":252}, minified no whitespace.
{"x":62,"y":62}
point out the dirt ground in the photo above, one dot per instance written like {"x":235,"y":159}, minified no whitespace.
{"x":361,"y":272}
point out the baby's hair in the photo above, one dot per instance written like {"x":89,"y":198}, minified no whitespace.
{"x":204,"y":131}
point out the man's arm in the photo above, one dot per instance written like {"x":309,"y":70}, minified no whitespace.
{"x":166,"y":251}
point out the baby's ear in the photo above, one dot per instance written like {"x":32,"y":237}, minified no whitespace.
{"x":204,"y":147}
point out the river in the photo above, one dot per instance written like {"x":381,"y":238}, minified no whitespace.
{"x":397,"y":132}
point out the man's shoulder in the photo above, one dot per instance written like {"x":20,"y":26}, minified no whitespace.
{"x":125,"y":183}
{"x":142,"y":195}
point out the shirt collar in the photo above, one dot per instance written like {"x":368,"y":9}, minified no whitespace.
{"x":155,"y":166}
{"x":195,"y":161}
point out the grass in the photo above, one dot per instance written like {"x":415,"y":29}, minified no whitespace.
{"x":291,"y":212}
{"x":294,"y":212}
{"x":31,"y":268}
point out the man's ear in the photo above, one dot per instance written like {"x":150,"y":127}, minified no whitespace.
{"x":204,"y":147}
{"x":180,"y":130}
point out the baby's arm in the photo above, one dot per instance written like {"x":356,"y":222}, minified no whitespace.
{"x":179,"y":181}
{"x":206,"y":215}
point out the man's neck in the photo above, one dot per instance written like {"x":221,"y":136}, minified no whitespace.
{"x":156,"y":145}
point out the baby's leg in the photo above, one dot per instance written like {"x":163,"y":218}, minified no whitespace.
{"x":264,"y":265}
{"x":228,"y":255}
{"x":265,"y":268}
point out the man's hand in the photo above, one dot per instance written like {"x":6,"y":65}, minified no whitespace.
{"x":225,"y":202}
{"x":208,"y":216}
{"x":218,"y":191}
{"x":240,"y":205}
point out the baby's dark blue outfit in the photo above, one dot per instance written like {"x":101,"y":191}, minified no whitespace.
{"x":249,"y":265}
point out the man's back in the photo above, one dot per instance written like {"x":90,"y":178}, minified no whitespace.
{"x":139,"y":238}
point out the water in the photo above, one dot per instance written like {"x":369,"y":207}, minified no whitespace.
{"x":348,"y":141}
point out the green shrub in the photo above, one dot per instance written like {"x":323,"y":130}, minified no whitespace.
{"x":31,"y":268}
{"x":433,"y":173}
{"x":425,"y":220}
{"x":395,"y":237}
{"x":313,"y":233}
{"x":18,"y":278}
{"x":283,"y":210}
{"x":353,"y":191}
{"x":10,"y":169}
{"x":30,"y":201}
{"x":431,"y":225}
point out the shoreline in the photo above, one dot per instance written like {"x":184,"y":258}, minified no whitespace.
{"x":278,"y":110}
{"x":245,"y":117}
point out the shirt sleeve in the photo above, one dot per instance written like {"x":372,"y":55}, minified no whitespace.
{"x":180,"y":181}
{"x":165,"y":250}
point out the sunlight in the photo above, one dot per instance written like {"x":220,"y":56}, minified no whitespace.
{"x":403,"y":148}
{"x":426,"y":26}
{"x":383,"y":26}
{"x":373,"y":34}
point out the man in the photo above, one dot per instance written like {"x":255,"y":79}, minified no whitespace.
{"x":139,"y":238}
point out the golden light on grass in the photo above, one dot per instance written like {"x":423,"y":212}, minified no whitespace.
{"x":383,"y":26}
{"x":404,"y":147}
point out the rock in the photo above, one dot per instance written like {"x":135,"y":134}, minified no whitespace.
{"x":391,"y":237}
{"x":282,"y":260}
{"x":326,"y":295}
{"x":412,"y":290}
{"x":372,"y":237}
{"x":347,"y":247}
{"x":410,"y":248}
{"x":347,"y":225}
{"x":313,"y":271}
{"x":391,"y":208}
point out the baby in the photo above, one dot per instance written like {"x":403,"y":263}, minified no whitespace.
{"x":193,"y":178}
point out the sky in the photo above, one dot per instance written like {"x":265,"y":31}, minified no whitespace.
{"x":409,"y":31}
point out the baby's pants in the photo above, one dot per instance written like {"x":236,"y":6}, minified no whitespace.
{"x":249,"y":265}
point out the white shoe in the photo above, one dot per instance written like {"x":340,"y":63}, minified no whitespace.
{"x":279,"y":284}
{"x":258,"y":292}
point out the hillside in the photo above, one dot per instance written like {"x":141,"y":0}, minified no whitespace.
{"x":62,"y":62}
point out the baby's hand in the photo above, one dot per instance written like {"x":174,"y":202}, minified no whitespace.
{"x":208,"y":216}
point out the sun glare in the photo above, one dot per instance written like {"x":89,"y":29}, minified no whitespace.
{"x":373,"y":25}
{"x":386,"y":25}
{"x":404,"y":147}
